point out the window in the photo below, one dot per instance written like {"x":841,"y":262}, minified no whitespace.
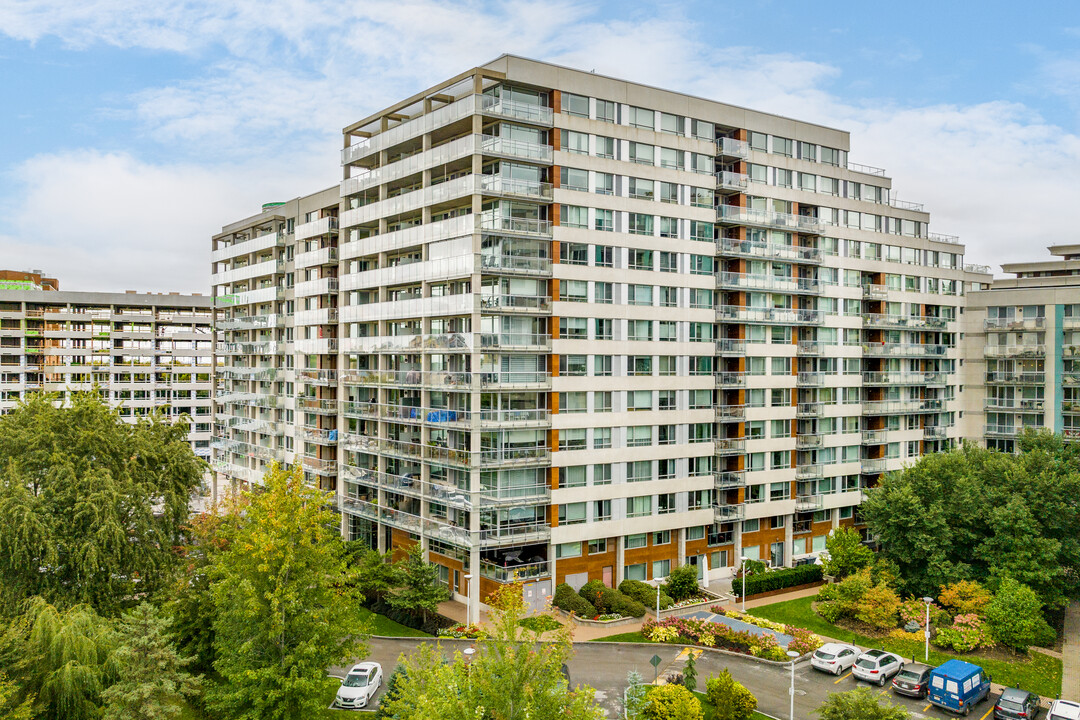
{"x":665,"y":504}
{"x":674,"y":124}
{"x":641,"y":224}
{"x":639,"y":294}
{"x":574,"y":253}
{"x":573,"y":328}
{"x":572,"y":514}
{"x":639,"y":330}
{"x":573,"y":290}
{"x":573,"y":402}
{"x":602,"y":256}
{"x":574,"y":179}
{"x":573,"y":365}
{"x":605,"y":184}
{"x":701,"y":230}
{"x":602,"y":365}
{"x":574,"y":216}
{"x":669,"y":262}
{"x":605,"y":147}
{"x":635,"y":571}
{"x":639,"y":506}
{"x":605,"y":222}
{"x":782,"y":146}
{"x":668,"y":366}
{"x":642,"y":153}
{"x":603,"y":329}
{"x":571,"y":477}
{"x":575,"y":105}
{"x":641,"y":259}
{"x":602,"y":293}
{"x":639,"y":471}
{"x":597,"y":547}
{"x":669,"y":193}
{"x":601,"y":511}
{"x":661,"y":569}
{"x":667,"y":331}
{"x":572,"y":439}
{"x":639,"y":435}
{"x":643,"y":189}
{"x":637,"y":400}
{"x":642,"y":118}
{"x":780,"y":459}
{"x":602,"y":401}
{"x":567,"y":550}
{"x":602,"y":440}
{"x":634,"y":542}
{"x":703,"y":164}
{"x":702,"y":197}
{"x":671,"y":158}
{"x":703,"y":130}
{"x":639,"y":365}
{"x":669,"y":227}
{"x":575,"y":142}
{"x":702,"y":264}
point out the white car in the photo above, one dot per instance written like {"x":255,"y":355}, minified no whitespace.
{"x":1064,"y":710}
{"x":359,"y":686}
{"x":834,"y":658}
{"x":877,"y":666}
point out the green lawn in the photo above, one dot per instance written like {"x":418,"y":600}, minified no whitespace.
{"x":1041,"y":674}
{"x":381,"y":625}
{"x":624,"y":637}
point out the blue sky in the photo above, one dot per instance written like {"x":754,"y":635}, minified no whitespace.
{"x":134,"y":130}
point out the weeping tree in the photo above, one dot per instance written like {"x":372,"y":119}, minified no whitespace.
{"x":91,"y":507}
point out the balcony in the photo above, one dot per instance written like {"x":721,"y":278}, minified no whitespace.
{"x":884,"y":349}
{"x":809,"y":472}
{"x":810,"y":347}
{"x":897,"y":378}
{"x":730,"y":147}
{"x":790,"y":284}
{"x":514,"y":573}
{"x":894,"y":407}
{"x":320,"y":286}
{"x":809,"y":503}
{"x":768,"y":316}
{"x":515,"y":341}
{"x":490,"y":222}
{"x":729,"y":446}
{"x":320,"y":436}
{"x":811,"y":379}
{"x":730,"y":346}
{"x":322,"y":226}
{"x":730,"y":479}
{"x":499,"y":107}
{"x":269,"y":293}
{"x":322,"y":316}
{"x":808,"y":441}
{"x":873,"y":466}
{"x":1019,"y":405}
{"x":251,"y":322}
{"x":1002,"y":431}
{"x":262,"y":347}
{"x":875,"y":292}
{"x":911,"y":322}
{"x":247,"y":247}
{"x":316,"y":405}
{"x":730,"y":182}
{"x":1036,"y":323}
{"x":730,"y":413}
{"x":1014,"y":351}
{"x":808,"y":410}
{"x":247,"y":272}
{"x":516,"y":149}
{"x":516,"y":264}
{"x":314,"y":376}
{"x":734,"y":215}
{"x":874,"y":437}
{"x":767,"y":251}
{"x":516,"y":495}
{"x":730,"y":379}
{"x":316,"y":346}
{"x":935,"y":432}
{"x":515,"y":187}
{"x":313,"y":258}
{"x":1015,"y":378}
{"x":515,"y":534}
{"x":516,"y":303}
{"x":728,"y":513}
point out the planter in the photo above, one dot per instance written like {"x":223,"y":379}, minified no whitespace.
{"x":708,"y":599}
{"x":589,"y":622}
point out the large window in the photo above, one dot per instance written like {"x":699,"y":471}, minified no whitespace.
{"x":575,"y":105}
{"x":639,"y":506}
{"x":642,"y":118}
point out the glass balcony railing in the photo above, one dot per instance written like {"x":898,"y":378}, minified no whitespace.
{"x":514,"y":573}
{"x":1014,"y":351}
{"x":732,"y":182}
{"x":730,"y":413}
{"x":767,"y":250}
{"x":917,"y":322}
{"x":735,"y":215}
{"x":1015,"y":378}
{"x":535,"y":114}
{"x":730,"y":379}
{"x":522,"y":149}
{"x":1015,"y":405}
{"x":731,"y":147}
{"x":730,"y":479}
{"x":766,"y":315}
{"x":745,"y":281}
{"x":885,"y":349}
{"x":730,"y":346}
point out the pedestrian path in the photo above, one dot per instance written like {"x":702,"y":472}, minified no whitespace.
{"x":1070,"y":653}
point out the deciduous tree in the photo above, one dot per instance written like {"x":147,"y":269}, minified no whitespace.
{"x":846,"y":553}
{"x":859,"y":704}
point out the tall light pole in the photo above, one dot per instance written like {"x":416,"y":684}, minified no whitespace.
{"x":792,"y":654}
{"x":468,"y":599}
{"x":926,"y":632}
{"x":657,"y":601}
{"x":742,"y":565}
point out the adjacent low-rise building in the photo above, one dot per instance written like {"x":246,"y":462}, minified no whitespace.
{"x":144,"y":352}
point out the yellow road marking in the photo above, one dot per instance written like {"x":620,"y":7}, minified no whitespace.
{"x":842,"y":677}
{"x":885,"y":691}
{"x":927,"y":708}
{"x":987,"y":713}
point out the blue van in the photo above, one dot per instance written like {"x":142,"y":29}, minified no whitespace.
{"x":957,"y":685}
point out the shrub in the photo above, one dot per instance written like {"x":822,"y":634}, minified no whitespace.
{"x":682,"y":583}
{"x":830,"y":612}
{"x":672,"y":702}
{"x":623,"y":604}
{"x":595,"y":592}
{"x":850,"y":591}
{"x":645,"y":594}
{"x":886,"y":571}
{"x":879,"y":607}
{"x":777,"y":579}
{"x":540,"y":623}
{"x":915,"y":610}
{"x":967,"y":633}
{"x":730,"y":699}
{"x":966,"y":596}
{"x":1015,"y":617}
{"x":568,"y":600}
{"x":828,"y":592}
{"x":846,"y":553}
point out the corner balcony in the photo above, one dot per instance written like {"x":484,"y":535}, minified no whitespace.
{"x":514,"y":573}
{"x":322,"y":226}
{"x":515,"y":188}
{"x":515,"y":534}
{"x":490,"y":222}
{"x":251,"y":322}
{"x":767,"y":251}
{"x":317,"y":377}
{"x":527,"y":112}
{"x":745,"y":281}
{"x":320,"y":286}
{"x":316,"y":405}
{"x":247,"y":247}
{"x":734,"y":215}
{"x":516,"y":149}
{"x":515,"y":264}
{"x":516,"y":303}
{"x":320,"y":436}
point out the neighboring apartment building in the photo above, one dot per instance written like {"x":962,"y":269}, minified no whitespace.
{"x":559,"y":327}
{"x":143,"y":351}
{"x":1022,"y":341}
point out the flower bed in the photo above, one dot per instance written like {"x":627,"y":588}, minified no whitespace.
{"x":803,"y":641}
{"x":608,"y":617}
{"x":696,"y":600}
{"x":688,"y":631}
{"x":464,"y":632}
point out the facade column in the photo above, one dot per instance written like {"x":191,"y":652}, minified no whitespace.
{"x":619,"y":560}
{"x":473,"y":568}
{"x":789,"y":545}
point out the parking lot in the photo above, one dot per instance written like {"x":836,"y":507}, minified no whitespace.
{"x":604,"y":666}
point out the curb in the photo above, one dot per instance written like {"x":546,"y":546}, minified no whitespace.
{"x":774,"y":663}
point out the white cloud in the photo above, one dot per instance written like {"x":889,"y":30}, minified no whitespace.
{"x":296,"y":71}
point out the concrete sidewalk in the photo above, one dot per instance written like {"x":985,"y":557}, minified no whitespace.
{"x":1070,"y":653}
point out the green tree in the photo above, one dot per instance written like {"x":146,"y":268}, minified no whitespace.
{"x":879,"y":607}
{"x":393,"y":690}
{"x":682,"y":583}
{"x":153,"y":680}
{"x":512,"y":676}
{"x":1015,"y":617}
{"x":730,"y":699}
{"x":285,"y":607}
{"x":859,"y":704}
{"x":91,"y":507}
{"x":416,"y":587}
{"x":975,"y":514}
{"x":672,"y":702}
{"x":690,"y":672}
{"x":635,"y":695}
{"x":846,"y":553}
{"x":374,"y":571}
{"x":62,"y":659}
{"x":10,"y":706}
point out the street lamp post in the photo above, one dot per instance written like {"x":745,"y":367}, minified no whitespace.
{"x":926,"y":632}
{"x":742,"y":561}
{"x":657,"y":601}
{"x":791,"y":692}
{"x":468,"y":599}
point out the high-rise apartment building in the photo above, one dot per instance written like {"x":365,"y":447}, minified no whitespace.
{"x":143,"y":351}
{"x":1022,"y":343}
{"x":558,"y":327}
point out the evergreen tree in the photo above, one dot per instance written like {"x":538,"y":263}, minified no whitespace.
{"x":153,"y":680}
{"x":285,"y":604}
{"x":417,"y":589}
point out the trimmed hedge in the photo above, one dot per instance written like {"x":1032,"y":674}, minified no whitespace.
{"x":568,"y":600}
{"x":609,"y":600}
{"x":645,"y":594}
{"x":777,"y":579}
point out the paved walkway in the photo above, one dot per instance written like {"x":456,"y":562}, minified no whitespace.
{"x":1070,"y":653}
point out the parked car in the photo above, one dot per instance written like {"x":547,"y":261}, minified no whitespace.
{"x":957,"y":685}
{"x":359,"y":685}
{"x":834,"y":658}
{"x":1016,"y":703}
{"x":1064,"y":710}
{"x":876,"y":666}
{"x":913,"y":681}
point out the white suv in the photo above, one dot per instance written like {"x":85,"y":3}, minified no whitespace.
{"x":834,"y":658}
{"x":876,"y":666}
{"x":1064,"y":710}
